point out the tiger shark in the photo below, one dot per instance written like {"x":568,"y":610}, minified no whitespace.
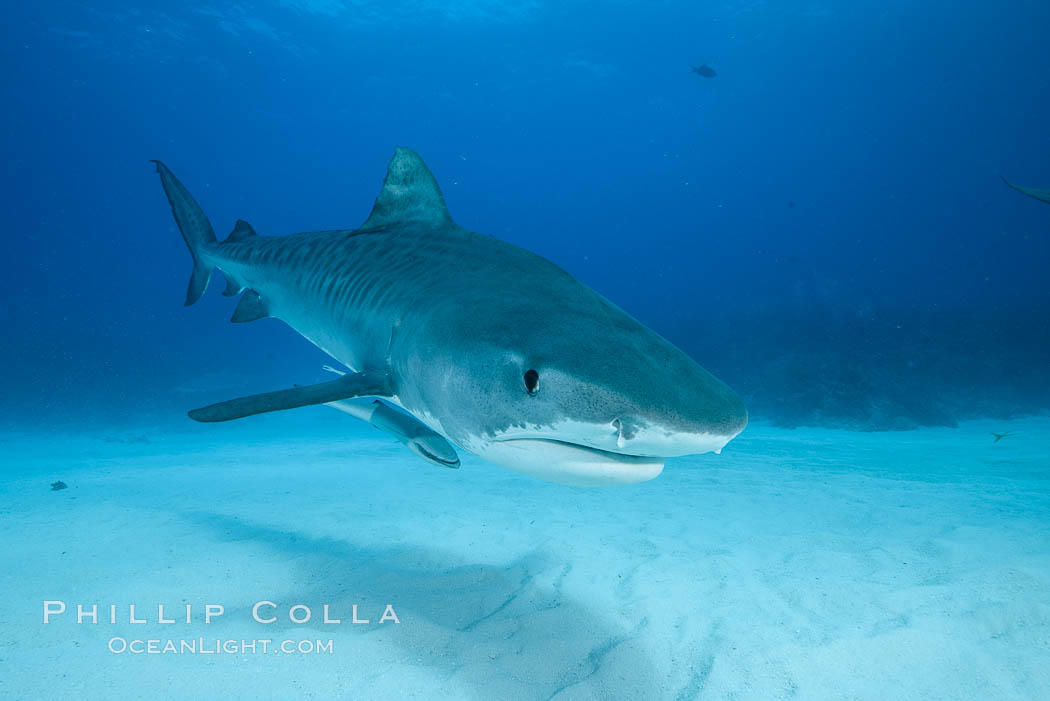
{"x":460,"y":338}
{"x":1043,"y":195}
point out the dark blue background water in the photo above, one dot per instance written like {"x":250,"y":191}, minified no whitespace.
{"x":822,"y":224}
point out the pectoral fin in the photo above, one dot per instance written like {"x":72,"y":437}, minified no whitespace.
{"x":346,"y":387}
{"x":420,"y":439}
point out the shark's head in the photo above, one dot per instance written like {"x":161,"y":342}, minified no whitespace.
{"x":575,"y":391}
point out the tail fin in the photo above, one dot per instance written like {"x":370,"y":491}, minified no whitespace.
{"x":195,"y":228}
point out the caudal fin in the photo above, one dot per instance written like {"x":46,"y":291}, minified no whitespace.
{"x":195,"y":228}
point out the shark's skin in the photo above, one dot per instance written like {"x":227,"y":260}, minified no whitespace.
{"x":493,"y":347}
{"x":1035,"y":193}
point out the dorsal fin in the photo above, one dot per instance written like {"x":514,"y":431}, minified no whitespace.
{"x":410,"y":195}
{"x":242,"y":231}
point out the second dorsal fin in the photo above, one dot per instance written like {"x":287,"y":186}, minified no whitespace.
{"x":410,"y":195}
{"x":242,"y":231}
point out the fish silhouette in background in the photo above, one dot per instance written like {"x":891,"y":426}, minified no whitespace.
{"x":1000,"y":436}
{"x":704,"y":70}
{"x":1041,"y":195}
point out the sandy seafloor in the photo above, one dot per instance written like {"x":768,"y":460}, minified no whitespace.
{"x":807,"y":563}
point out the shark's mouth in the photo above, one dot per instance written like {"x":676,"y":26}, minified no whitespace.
{"x":571,"y":463}
{"x":612,"y":455}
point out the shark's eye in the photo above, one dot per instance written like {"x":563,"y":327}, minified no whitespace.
{"x":532,"y":381}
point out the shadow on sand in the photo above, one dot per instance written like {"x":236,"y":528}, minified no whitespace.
{"x":507,"y":631}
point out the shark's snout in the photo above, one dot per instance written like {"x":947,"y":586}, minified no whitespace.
{"x":634,"y":436}
{"x":669,"y":440}
{"x":661,"y":415}
{"x":683,"y":411}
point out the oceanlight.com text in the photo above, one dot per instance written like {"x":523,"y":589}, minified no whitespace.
{"x":216,"y":646}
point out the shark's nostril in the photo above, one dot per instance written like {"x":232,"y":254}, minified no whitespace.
{"x":618,"y":427}
{"x":627,"y":427}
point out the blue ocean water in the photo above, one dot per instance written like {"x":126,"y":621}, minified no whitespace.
{"x":822,"y":224}
{"x":835,"y":186}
